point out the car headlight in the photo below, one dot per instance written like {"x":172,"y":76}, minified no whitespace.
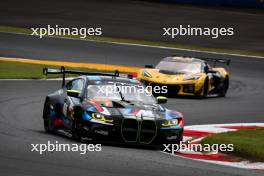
{"x":101,"y":117}
{"x":146,"y":74}
{"x":192,"y":77}
{"x":172,"y":122}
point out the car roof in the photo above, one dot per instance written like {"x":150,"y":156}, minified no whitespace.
{"x":182,"y":59}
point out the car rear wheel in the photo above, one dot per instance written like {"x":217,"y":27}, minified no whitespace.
{"x":47,"y":117}
{"x":224,"y":87}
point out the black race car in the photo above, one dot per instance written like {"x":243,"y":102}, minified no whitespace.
{"x":95,"y":107}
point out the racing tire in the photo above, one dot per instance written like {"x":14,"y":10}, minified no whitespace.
{"x":75,"y":132}
{"x":78,"y":132}
{"x":224,"y":87}
{"x":47,"y":112}
{"x":77,"y":128}
{"x":205,"y":89}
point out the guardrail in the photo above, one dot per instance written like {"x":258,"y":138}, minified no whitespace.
{"x":234,"y":3}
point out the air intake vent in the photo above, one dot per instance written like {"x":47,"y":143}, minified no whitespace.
{"x":129,"y":130}
{"x":148,"y":131}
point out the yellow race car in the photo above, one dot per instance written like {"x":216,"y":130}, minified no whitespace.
{"x":188,"y":76}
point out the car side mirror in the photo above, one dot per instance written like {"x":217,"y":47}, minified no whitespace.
{"x":161,"y":99}
{"x":149,"y":66}
{"x":73,"y":93}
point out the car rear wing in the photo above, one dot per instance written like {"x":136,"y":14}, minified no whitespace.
{"x":63,"y":71}
{"x":224,"y":61}
{"x":213,"y":60}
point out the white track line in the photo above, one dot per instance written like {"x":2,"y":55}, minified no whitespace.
{"x":210,"y":129}
{"x":143,"y":45}
{"x":241,"y":165}
{"x":219,"y":128}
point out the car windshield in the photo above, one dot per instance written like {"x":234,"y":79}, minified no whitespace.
{"x":180,"y":67}
{"x":125,"y":92}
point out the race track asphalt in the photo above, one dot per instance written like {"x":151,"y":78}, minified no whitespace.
{"x":142,"y":20}
{"x":21,"y":109}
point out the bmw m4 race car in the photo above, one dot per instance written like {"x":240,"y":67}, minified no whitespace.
{"x":87,"y":107}
{"x":188,"y":76}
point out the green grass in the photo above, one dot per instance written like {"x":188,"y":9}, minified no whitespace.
{"x":143,"y":42}
{"x":247,"y":143}
{"x":17,"y":70}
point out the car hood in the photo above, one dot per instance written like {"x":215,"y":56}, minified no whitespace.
{"x":135,"y":109}
{"x":165,"y":77}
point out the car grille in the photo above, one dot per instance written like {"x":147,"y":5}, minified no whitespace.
{"x":188,"y":88}
{"x":173,"y":89}
{"x":129,"y":130}
{"x":148,"y":131}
